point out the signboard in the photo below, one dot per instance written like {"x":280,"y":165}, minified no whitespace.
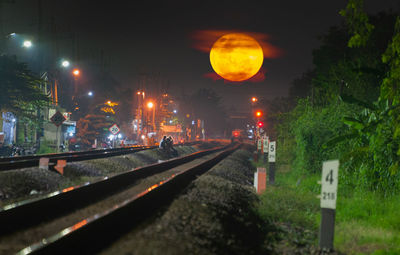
{"x":67,"y":115}
{"x":266,"y":141}
{"x":57,"y":119}
{"x":329,"y":184}
{"x":259,"y":144}
{"x":114,"y":129}
{"x":272,"y":151}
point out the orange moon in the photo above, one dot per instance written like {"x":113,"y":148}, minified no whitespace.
{"x":236,"y":57}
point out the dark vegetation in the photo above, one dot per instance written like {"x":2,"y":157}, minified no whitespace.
{"x":348,"y":106}
{"x":350,"y":112}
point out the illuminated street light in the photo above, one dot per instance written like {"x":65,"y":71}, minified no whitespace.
{"x":27,"y":44}
{"x":76,"y":72}
{"x":90,"y":93}
{"x":175,"y":111}
{"x":258,"y":113}
{"x":65,"y":63}
{"x":150,"y":105}
{"x":254,"y":99}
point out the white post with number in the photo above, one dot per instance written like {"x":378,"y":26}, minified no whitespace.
{"x":272,"y":151}
{"x":329,"y":184}
{"x":271,"y":160}
{"x":259,"y":147}
{"x":265,"y":147}
{"x":259,"y":144}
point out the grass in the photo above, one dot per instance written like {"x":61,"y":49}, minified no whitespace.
{"x":366,"y":223}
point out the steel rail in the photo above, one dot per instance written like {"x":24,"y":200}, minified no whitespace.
{"x":91,"y":235}
{"x":14,"y":216}
{"x":32,"y":161}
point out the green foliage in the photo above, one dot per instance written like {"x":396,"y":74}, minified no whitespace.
{"x":366,"y":222}
{"x":300,"y":207}
{"x":390,"y":85}
{"x":358,"y":23}
{"x":354,"y":108}
{"x":311,"y":128}
{"x":46,"y":147}
{"x":20,"y":91}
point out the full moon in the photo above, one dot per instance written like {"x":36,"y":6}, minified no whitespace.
{"x":236,"y":57}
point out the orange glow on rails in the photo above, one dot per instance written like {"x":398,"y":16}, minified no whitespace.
{"x":68,"y":189}
{"x":79,"y":225}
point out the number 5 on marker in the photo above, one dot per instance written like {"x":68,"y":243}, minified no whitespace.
{"x":329,"y":184}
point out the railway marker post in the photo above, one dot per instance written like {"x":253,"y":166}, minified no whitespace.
{"x":260,"y":179}
{"x":44,"y":163}
{"x":329,"y":184}
{"x":265,"y":148}
{"x":61,"y":163}
{"x":271,"y":160}
{"x":259,"y":147}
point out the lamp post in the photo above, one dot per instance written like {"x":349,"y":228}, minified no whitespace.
{"x":76,"y":73}
{"x":151,"y":106}
{"x":27,"y":44}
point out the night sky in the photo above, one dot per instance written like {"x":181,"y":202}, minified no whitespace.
{"x":163,"y":37}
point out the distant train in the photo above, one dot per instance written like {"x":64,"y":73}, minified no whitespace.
{"x":237,"y":135}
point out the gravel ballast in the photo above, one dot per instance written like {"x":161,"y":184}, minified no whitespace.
{"x":216,"y":215}
{"x":27,"y":183}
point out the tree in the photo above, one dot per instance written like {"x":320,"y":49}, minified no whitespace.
{"x":356,"y":71}
{"x":206,"y":105}
{"x":382,"y":146}
{"x":91,"y":127}
{"x":20,"y":91}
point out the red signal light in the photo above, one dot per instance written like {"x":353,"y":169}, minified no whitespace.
{"x":260,"y":124}
{"x":236,"y":134}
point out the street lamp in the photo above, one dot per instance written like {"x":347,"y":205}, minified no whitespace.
{"x":254,"y":99}
{"x":150,"y":105}
{"x":65,"y":63}
{"x":76,"y":72}
{"x":27,"y":44}
{"x":90,"y":93}
{"x":11,"y":35}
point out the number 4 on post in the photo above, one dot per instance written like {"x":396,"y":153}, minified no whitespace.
{"x":329,"y":182}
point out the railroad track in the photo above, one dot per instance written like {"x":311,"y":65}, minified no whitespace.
{"x":10,"y":163}
{"x":87,"y":218}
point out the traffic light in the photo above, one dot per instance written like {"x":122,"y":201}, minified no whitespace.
{"x":260,"y":124}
